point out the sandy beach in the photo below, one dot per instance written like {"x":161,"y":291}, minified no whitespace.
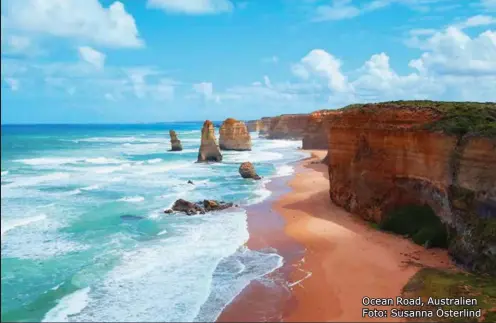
{"x":333,"y":258}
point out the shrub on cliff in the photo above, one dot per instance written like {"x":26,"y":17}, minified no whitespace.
{"x":418,"y":222}
{"x":457,"y":118}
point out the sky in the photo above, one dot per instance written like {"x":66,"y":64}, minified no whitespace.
{"x":133,"y":61}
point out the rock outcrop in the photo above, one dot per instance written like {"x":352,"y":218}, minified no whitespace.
{"x":209,"y":151}
{"x":247,"y":170}
{"x":202,"y":207}
{"x":234,"y":136}
{"x":316,"y":132}
{"x":175,"y":142}
{"x":387,"y":155}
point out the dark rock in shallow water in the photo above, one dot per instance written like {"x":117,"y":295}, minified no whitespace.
{"x":212,"y":205}
{"x":128,"y":217}
{"x":191,"y":182}
{"x":247,"y":170}
{"x":190,"y":208}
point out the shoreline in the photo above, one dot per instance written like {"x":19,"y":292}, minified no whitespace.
{"x":332,"y":258}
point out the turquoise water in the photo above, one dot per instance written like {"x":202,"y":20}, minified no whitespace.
{"x":84,"y":236}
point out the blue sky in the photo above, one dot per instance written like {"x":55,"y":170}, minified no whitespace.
{"x":104,"y":61}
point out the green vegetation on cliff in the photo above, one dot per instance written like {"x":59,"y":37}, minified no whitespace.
{"x":418,"y":222}
{"x":457,"y":118}
{"x":436,"y":283}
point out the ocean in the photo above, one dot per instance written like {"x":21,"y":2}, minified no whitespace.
{"x":84,"y":236}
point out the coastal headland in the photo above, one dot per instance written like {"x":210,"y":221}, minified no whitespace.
{"x":397,"y":201}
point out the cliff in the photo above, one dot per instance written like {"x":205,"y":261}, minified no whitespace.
{"x":175,"y":142}
{"x":286,"y":126}
{"x":389,"y":155}
{"x":254,"y":125}
{"x":316,"y":132}
{"x":209,"y":151}
{"x":234,"y":136}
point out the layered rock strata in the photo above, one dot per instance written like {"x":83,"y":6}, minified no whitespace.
{"x":175,"y":142}
{"x":382,"y":156}
{"x":209,"y":151}
{"x":234,"y":136}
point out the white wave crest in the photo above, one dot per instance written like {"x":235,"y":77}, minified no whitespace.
{"x":69,"y":305}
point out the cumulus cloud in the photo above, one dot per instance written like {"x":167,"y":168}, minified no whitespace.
{"x":453,"y":52}
{"x":192,"y":7}
{"x":206,"y":90}
{"x":92,"y":56}
{"x":84,"y":19}
{"x":323,"y":64}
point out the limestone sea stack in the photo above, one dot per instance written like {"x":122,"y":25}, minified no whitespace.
{"x":234,"y":135}
{"x":175,"y":142}
{"x":209,"y":151}
{"x":247,"y":170}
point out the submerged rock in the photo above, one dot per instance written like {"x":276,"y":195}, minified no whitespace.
{"x":209,"y":151}
{"x":201,"y":207}
{"x":175,"y":142}
{"x":234,"y":136}
{"x":247,"y":170}
{"x":128,"y":217}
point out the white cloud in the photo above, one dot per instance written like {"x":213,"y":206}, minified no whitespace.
{"x":92,"y":56}
{"x":346,"y":9}
{"x":476,"y":21}
{"x":83,"y":19}
{"x":12,"y":83}
{"x":273,"y":59}
{"x":323,"y":64}
{"x":489,"y":4}
{"x":267,"y":81}
{"x":192,"y":7}
{"x":452,"y":52}
{"x":206,"y":89}
{"x":338,"y":10}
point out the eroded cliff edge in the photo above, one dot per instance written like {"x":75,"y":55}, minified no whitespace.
{"x":383,"y":156}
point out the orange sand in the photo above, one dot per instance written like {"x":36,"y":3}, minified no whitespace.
{"x":346,"y":259}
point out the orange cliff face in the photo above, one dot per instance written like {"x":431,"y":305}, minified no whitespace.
{"x":381,"y":157}
{"x":234,"y":136}
{"x":254,"y":125}
{"x":316,"y":132}
{"x":286,"y":126}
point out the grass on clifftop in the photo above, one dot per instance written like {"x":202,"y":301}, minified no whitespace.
{"x":436,"y":283}
{"x":459,"y":118}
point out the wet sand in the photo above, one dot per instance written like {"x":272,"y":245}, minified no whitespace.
{"x":333,"y":258}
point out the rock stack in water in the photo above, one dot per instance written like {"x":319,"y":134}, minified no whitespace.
{"x":209,"y":151}
{"x":175,"y":143}
{"x":234,"y":136}
{"x":247,"y":170}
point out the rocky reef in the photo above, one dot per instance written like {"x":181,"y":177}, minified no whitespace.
{"x":234,"y":135}
{"x":209,"y":151}
{"x":201,"y":207}
{"x":175,"y":142}
{"x":247,"y":170}
{"x":441,"y":154}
